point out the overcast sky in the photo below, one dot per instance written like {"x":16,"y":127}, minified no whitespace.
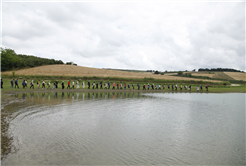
{"x":129,"y":35}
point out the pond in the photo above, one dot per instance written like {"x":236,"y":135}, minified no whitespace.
{"x":127,"y":129}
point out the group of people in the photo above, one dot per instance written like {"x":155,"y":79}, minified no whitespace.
{"x":145,"y":87}
{"x":106,"y":85}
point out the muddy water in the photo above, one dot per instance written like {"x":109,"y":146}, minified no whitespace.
{"x":127,"y":129}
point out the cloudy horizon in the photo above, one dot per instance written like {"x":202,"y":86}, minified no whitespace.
{"x":160,"y":36}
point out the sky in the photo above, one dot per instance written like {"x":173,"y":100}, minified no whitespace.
{"x":141,"y":35}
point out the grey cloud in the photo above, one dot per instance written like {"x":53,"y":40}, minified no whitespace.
{"x":161,"y":36}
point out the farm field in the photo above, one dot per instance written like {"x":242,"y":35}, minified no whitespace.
{"x":79,"y":71}
{"x":221,"y":75}
{"x":237,"y":75}
{"x":205,"y":74}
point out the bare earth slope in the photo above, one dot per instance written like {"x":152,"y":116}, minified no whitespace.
{"x":71,"y":70}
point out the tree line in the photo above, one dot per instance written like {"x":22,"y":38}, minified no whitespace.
{"x":220,"y":69}
{"x":10,"y":60}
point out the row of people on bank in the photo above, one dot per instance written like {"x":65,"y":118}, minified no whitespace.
{"x":105,"y":85}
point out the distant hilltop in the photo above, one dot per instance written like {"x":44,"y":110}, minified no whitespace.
{"x":166,"y":71}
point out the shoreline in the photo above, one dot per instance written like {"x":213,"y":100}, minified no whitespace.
{"x":113,"y":91}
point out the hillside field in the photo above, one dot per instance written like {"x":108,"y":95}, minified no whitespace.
{"x":221,"y":75}
{"x":79,"y":71}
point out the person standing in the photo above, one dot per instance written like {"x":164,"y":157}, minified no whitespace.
{"x":68,"y":84}
{"x":172,"y":87}
{"x":108,"y":85}
{"x":43,"y":85}
{"x":96,"y":85}
{"x":148,"y":86}
{"x":12,"y":83}
{"x":16,"y":83}
{"x":201,"y":88}
{"x":93,"y":85}
{"x":133,"y":86}
{"x":54,"y":87}
{"x":89,"y":84}
{"x":23,"y":84}
{"x":207,"y":87}
{"x":77,"y":84}
{"x":197,"y":88}
{"x":32,"y":85}
{"x":83,"y":84}
{"x":190,"y":87}
{"x":56,"y":84}
{"x":38,"y":83}
{"x":48,"y":84}
{"x":26,"y":83}
{"x":113,"y":86}
{"x":62,"y":85}
{"x":101,"y":85}
{"x":73,"y":85}
{"x":1,"y":83}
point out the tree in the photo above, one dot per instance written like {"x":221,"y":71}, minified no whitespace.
{"x":156,"y":72}
{"x":180,"y":73}
{"x":10,"y":60}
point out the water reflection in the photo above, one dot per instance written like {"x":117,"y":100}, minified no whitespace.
{"x":80,"y":96}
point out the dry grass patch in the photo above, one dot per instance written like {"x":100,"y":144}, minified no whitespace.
{"x":237,"y":75}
